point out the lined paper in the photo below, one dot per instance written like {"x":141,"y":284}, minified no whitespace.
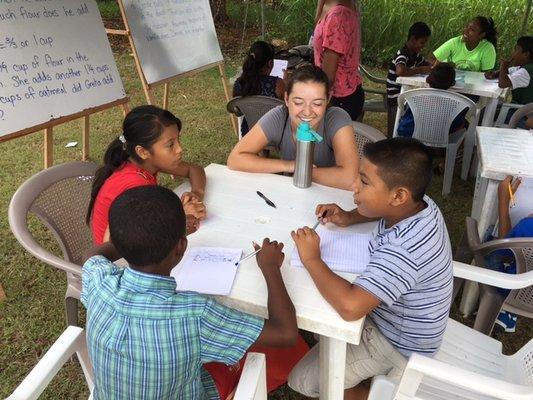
{"x":342,"y":251}
{"x":208,"y":270}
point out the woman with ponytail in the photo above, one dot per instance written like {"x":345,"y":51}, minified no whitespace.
{"x":148,"y":145}
{"x":255,"y":78}
{"x":475,"y":49}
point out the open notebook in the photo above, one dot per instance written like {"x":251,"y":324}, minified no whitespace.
{"x":208,"y":270}
{"x":341,"y":250}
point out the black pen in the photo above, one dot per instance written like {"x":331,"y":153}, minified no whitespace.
{"x":269,"y":202}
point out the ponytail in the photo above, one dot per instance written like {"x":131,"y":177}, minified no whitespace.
{"x":488,"y":27}
{"x":260,"y":54}
{"x":142,"y":127}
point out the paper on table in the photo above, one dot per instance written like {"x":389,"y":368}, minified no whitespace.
{"x":342,"y":251}
{"x":523,"y":200}
{"x":279,"y":66}
{"x":208,"y":270}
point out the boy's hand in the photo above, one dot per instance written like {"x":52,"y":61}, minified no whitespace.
{"x":270,"y":256}
{"x":425,"y":69}
{"x":504,"y":64}
{"x":191,"y":224}
{"x":192,"y":206}
{"x":334,"y":214}
{"x":491,"y":75}
{"x":504,"y":196}
{"x":308,"y":244}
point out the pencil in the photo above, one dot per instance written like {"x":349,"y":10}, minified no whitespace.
{"x":248,"y":256}
{"x":511,"y":196}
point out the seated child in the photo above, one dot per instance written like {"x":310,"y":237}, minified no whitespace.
{"x":147,"y":341}
{"x":407,"y":62}
{"x":517,"y":74}
{"x":149,"y":144}
{"x":503,"y":260}
{"x":406,"y":290}
{"x":442,"y":76}
{"x":255,"y":78}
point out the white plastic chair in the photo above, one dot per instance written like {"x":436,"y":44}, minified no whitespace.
{"x":365,"y":134}
{"x":434,"y":111}
{"x":469,"y":365}
{"x":252,"y":384}
{"x":522,"y":110}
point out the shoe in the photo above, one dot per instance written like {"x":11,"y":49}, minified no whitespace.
{"x":507,"y":321}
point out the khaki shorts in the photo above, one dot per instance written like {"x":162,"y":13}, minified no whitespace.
{"x":374,"y":355}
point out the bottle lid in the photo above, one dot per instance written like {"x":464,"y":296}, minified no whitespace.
{"x":304,"y":133}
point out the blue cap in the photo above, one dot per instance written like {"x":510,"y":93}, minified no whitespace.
{"x":304,"y":133}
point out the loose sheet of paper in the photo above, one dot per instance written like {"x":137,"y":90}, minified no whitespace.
{"x":342,"y":251}
{"x":208,"y":270}
{"x":279,"y":66}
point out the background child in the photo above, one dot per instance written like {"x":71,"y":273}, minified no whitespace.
{"x":148,"y":145}
{"x":255,"y":78}
{"x":517,"y":74}
{"x":147,"y":341}
{"x":410,"y":257}
{"x":503,"y":260}
{"x":441,"y":76}
{"x":407,"y":62}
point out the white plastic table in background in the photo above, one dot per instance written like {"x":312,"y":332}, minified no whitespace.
{"x":501,"y":152}
{"x":474,"y":84}
{"x":237,"y":216}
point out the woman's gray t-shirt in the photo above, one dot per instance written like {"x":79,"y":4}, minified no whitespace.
{"x":277,"y":128}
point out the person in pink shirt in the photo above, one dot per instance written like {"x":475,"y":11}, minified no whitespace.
{"x":337,"y":50}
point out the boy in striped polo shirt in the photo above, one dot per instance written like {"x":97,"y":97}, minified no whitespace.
{"x":406,"y":289}
{"x":147,"y":341}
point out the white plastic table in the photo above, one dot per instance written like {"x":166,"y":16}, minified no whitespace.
{"x":501,"y":152}
{"x":474,"y":84}
{"x":237,"y":216}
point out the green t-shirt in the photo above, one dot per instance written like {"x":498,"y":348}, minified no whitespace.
{"x":482,"y":58}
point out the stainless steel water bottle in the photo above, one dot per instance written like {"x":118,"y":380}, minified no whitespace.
{"x":305,"y":150}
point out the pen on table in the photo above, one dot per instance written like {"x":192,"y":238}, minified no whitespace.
{"x":269,"y":202}
{"x":249,"y":255}
{"x":319,"y":220}
{"x":511,"y":196}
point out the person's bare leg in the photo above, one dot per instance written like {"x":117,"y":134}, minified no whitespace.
{"x":359,"y":392}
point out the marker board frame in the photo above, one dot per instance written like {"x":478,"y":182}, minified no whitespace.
{"x":148,"y":87}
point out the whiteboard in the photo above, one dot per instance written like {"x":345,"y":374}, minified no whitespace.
{"x":55,"y":61}
{"x":172,"y":37}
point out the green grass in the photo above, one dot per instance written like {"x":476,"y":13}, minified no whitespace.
{"x":32,"y":317}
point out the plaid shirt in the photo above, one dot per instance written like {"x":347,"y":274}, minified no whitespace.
{"x":148,"y":342}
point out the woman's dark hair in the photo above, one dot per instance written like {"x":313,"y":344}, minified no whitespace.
{"x":309,"y":73}
{"x":487,"y":26}
{"x":260,"y":54}
{"x":142,"y":127}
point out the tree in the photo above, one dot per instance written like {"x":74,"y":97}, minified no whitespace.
{"x":218,"y":8}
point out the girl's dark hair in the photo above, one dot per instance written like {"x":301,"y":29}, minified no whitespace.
{"x":487,"y":26}
{"x":309,"y":73}
{"x":260,"y":54}
{"x":142,"y":127}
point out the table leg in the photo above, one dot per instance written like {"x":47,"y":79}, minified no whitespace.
{"x":486,"y":205}
{"x":490,"y":112}
{"x":332,"y":365}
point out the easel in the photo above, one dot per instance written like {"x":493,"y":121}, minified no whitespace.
{"x":148,"y":88}
{"x":48,"y":145}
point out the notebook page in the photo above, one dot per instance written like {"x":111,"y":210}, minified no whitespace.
{"x":208,"y":270}
{"x":342,"y":251}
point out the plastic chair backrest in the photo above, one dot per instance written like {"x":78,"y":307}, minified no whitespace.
{"x":366,"y":134}
{"x":59,"y":196}
{"x":252,"y":107}
{"x":524,"y":111}
{"x":434,"y":111}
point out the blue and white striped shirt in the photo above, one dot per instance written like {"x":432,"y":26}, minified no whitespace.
{"x":411,"y":272}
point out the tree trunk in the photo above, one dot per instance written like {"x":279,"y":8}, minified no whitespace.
{"x":218,"y":8}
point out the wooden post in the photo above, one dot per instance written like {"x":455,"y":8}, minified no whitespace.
{"x":2,"y":293}
{"x":165,"y":95}
{"x":48,"y":147}
{"x":85,"y":148}
{"x":222,"y":71}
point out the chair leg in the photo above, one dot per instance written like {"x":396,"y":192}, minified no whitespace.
{"x":490,"y":304}
{"x":449,"y":165}
{"x":71,"y":309}
{"x":468,"y":151}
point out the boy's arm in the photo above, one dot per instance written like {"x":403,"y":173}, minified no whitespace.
{"x":350,"y":301}
{"x":280,"y":329}
{"x":503,"y":75}
{"x":106,"y":249}
{"x":336,"y":215}
{"x":402,"y":70}
{"x":504,"y":197}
